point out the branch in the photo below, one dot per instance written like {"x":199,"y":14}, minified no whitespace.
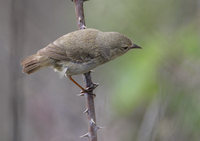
{"x":90,"y":108}
{"x":80,"y":13}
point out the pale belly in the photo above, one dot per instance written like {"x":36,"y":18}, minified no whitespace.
{"x":71,"y":68}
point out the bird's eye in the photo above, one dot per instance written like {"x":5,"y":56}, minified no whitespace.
{"x":125,"y":48}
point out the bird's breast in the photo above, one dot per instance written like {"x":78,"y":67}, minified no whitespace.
{"x":74,"y":68}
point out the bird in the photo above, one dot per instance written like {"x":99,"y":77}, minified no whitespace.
{"x":79,"y":52}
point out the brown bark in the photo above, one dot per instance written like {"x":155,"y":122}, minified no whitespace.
{"x":90,"y":107}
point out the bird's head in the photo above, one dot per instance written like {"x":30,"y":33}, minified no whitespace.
{"x":119,"y":44}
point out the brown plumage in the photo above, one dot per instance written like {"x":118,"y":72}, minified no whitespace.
{"x":34,"y":63}
{"x":68,"y":48}
{"x":79,"y":51}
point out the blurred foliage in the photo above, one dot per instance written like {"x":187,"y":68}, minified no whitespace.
{"x":167,"y":65}
{"x":162,"y":28}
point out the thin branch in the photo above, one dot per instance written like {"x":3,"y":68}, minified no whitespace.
{"x":92,"y":127}
{"x":80,"y":13}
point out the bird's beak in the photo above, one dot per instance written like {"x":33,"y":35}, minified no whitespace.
{"x":135,"y":46}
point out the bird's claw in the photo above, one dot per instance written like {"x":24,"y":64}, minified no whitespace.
{"x":88,"y":91}
{"x":93,"y":86}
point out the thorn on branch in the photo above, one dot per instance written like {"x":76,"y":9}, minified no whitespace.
{"x":95,"y":85}
{"x":81,"y":94}
{"x":92,"y":87}
{"x":93,"y":123}
{"x":85,"y":135}
{"x":86,"y":111}
{"x":83,"y":27}
{"x":98,"y":127}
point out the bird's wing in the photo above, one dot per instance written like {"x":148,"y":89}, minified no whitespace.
{"x":79,"y":47}
{"x":54,"y":52}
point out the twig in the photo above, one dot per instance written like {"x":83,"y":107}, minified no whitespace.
{"x":90,"y":109}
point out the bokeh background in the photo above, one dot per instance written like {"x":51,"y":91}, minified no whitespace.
{"x":151,"y":94}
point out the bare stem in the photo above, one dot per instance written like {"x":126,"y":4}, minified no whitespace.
{"x":90,"y":108}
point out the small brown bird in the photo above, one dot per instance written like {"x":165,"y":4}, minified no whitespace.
{"x":79,"y":52}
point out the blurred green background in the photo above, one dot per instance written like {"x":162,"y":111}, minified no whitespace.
{"x":146,"y":95}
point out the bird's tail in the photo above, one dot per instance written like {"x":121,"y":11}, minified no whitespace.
{"x":34,"y":63}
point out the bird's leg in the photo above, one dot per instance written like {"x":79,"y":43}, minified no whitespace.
{"x":70,"y":77}
{"x":87,"y":90}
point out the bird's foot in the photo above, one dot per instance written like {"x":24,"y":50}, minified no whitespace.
{"x":89,"y":90}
